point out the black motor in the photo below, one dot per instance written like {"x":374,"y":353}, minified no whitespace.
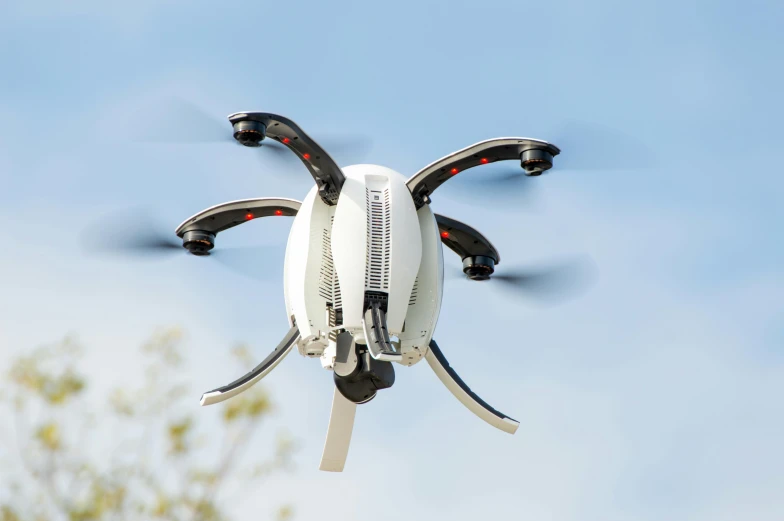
{"x":478,"y":267}
{"x":535,"y":161}
{"x":198,"y":242}
{"x":249,"y":133}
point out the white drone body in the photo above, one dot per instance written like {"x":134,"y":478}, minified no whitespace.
{"x":364,"y":268}
{"x":338,"y":254}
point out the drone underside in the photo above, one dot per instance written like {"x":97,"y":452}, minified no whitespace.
{"x":364,"y":267}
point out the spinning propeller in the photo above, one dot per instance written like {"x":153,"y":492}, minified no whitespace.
{"x":135,"y":234}
{"x":178,"y":121}
{"x":548,"y":283}
{"x":585,"y":147}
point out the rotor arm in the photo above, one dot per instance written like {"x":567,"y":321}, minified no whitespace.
{"x":198,"y":232}
{"x":257,"y":373}
{"x":473,"y":248}
{"x":435,"y":358}
{"x":251,"y":128}
{"x":535,"y":156}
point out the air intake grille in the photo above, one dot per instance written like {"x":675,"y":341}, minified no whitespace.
{"x":412,"y":299}
{"x":329,"y":287}
{"x":378,"y":237}
{"x":337,"y":299}
{"x":327,"y":270}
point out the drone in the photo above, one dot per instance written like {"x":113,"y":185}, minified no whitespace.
{"x":364,"y":267}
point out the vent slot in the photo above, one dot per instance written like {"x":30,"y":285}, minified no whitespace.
{"x":378,"y":240}
{"x":413,"y":298}
{"x":327,"y":270}
{"x":332,"y":318}
{"x":329,"y":288}
{"x":337,"y":298}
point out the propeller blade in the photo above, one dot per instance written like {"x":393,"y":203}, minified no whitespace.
{"x":550,"y":284}
{"x":255,"y":262}
{"x":590,"y":146}
{"x":178,"y":121}
{"x":346,"y":148}
{"x":584,"y":147}
{"x":132,"y":233}
{"x":553,"y":283}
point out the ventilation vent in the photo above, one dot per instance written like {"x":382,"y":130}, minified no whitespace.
{"x":332,"y":317}
{"x":329,"y":288}
{"x":378,"y":237}
{"x":327,"y":270}
{"x":337,"y":298}
{"x":412,"y":299}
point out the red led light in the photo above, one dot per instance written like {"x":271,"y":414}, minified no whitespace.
{"x":306,"y":155}
{"x":454,"y":171}
{"x":286,"y":140}
{"x":484,"y":160}
{"x":248,"y":216}
{"x":278,"y":212}
{"x":445,"y":235}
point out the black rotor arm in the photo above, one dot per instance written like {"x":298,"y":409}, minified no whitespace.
{"x":198,"y":232}
{"x":250,"y":129}
{"x":534,"y":155}
{"x":478,"y":254}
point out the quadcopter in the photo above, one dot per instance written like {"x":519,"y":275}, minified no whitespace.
{"x":364,"y":267}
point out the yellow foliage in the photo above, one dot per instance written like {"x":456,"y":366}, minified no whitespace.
{"x":285,"y":444}
{"x":29,"y":374}
{"x":24,"y":373}
{"x":162,"y":506}
{"x":63,"y":387}
{"x":178,"y":432}
{"x":49,"y":436}
{"x":205,"y":510}
{"x":120,"y":402}
{"x":103,"y":499}
{"x":257,"y":405}
{"x":242,"y":353}
{"x":251,"y":404}
{"x":285,"y":513}
{"x":8,"y":514}
{"x":46,"y":379}
{"x":166,"y":343}
{"x":205,"y":477}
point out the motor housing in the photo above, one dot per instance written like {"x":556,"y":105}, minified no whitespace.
{"x":198,"y":242}
{"x":535,"y":161}
{"x":478,"y":267}
{"x":250,"y":133}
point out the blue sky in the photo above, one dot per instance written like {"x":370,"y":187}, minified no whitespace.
{"x":655,"y":395}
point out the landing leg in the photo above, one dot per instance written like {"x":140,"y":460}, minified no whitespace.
{"x":437,"y":361}
{"x":258,"y":372}
{"x":341,"y":424}
{"x":358,"y":377}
